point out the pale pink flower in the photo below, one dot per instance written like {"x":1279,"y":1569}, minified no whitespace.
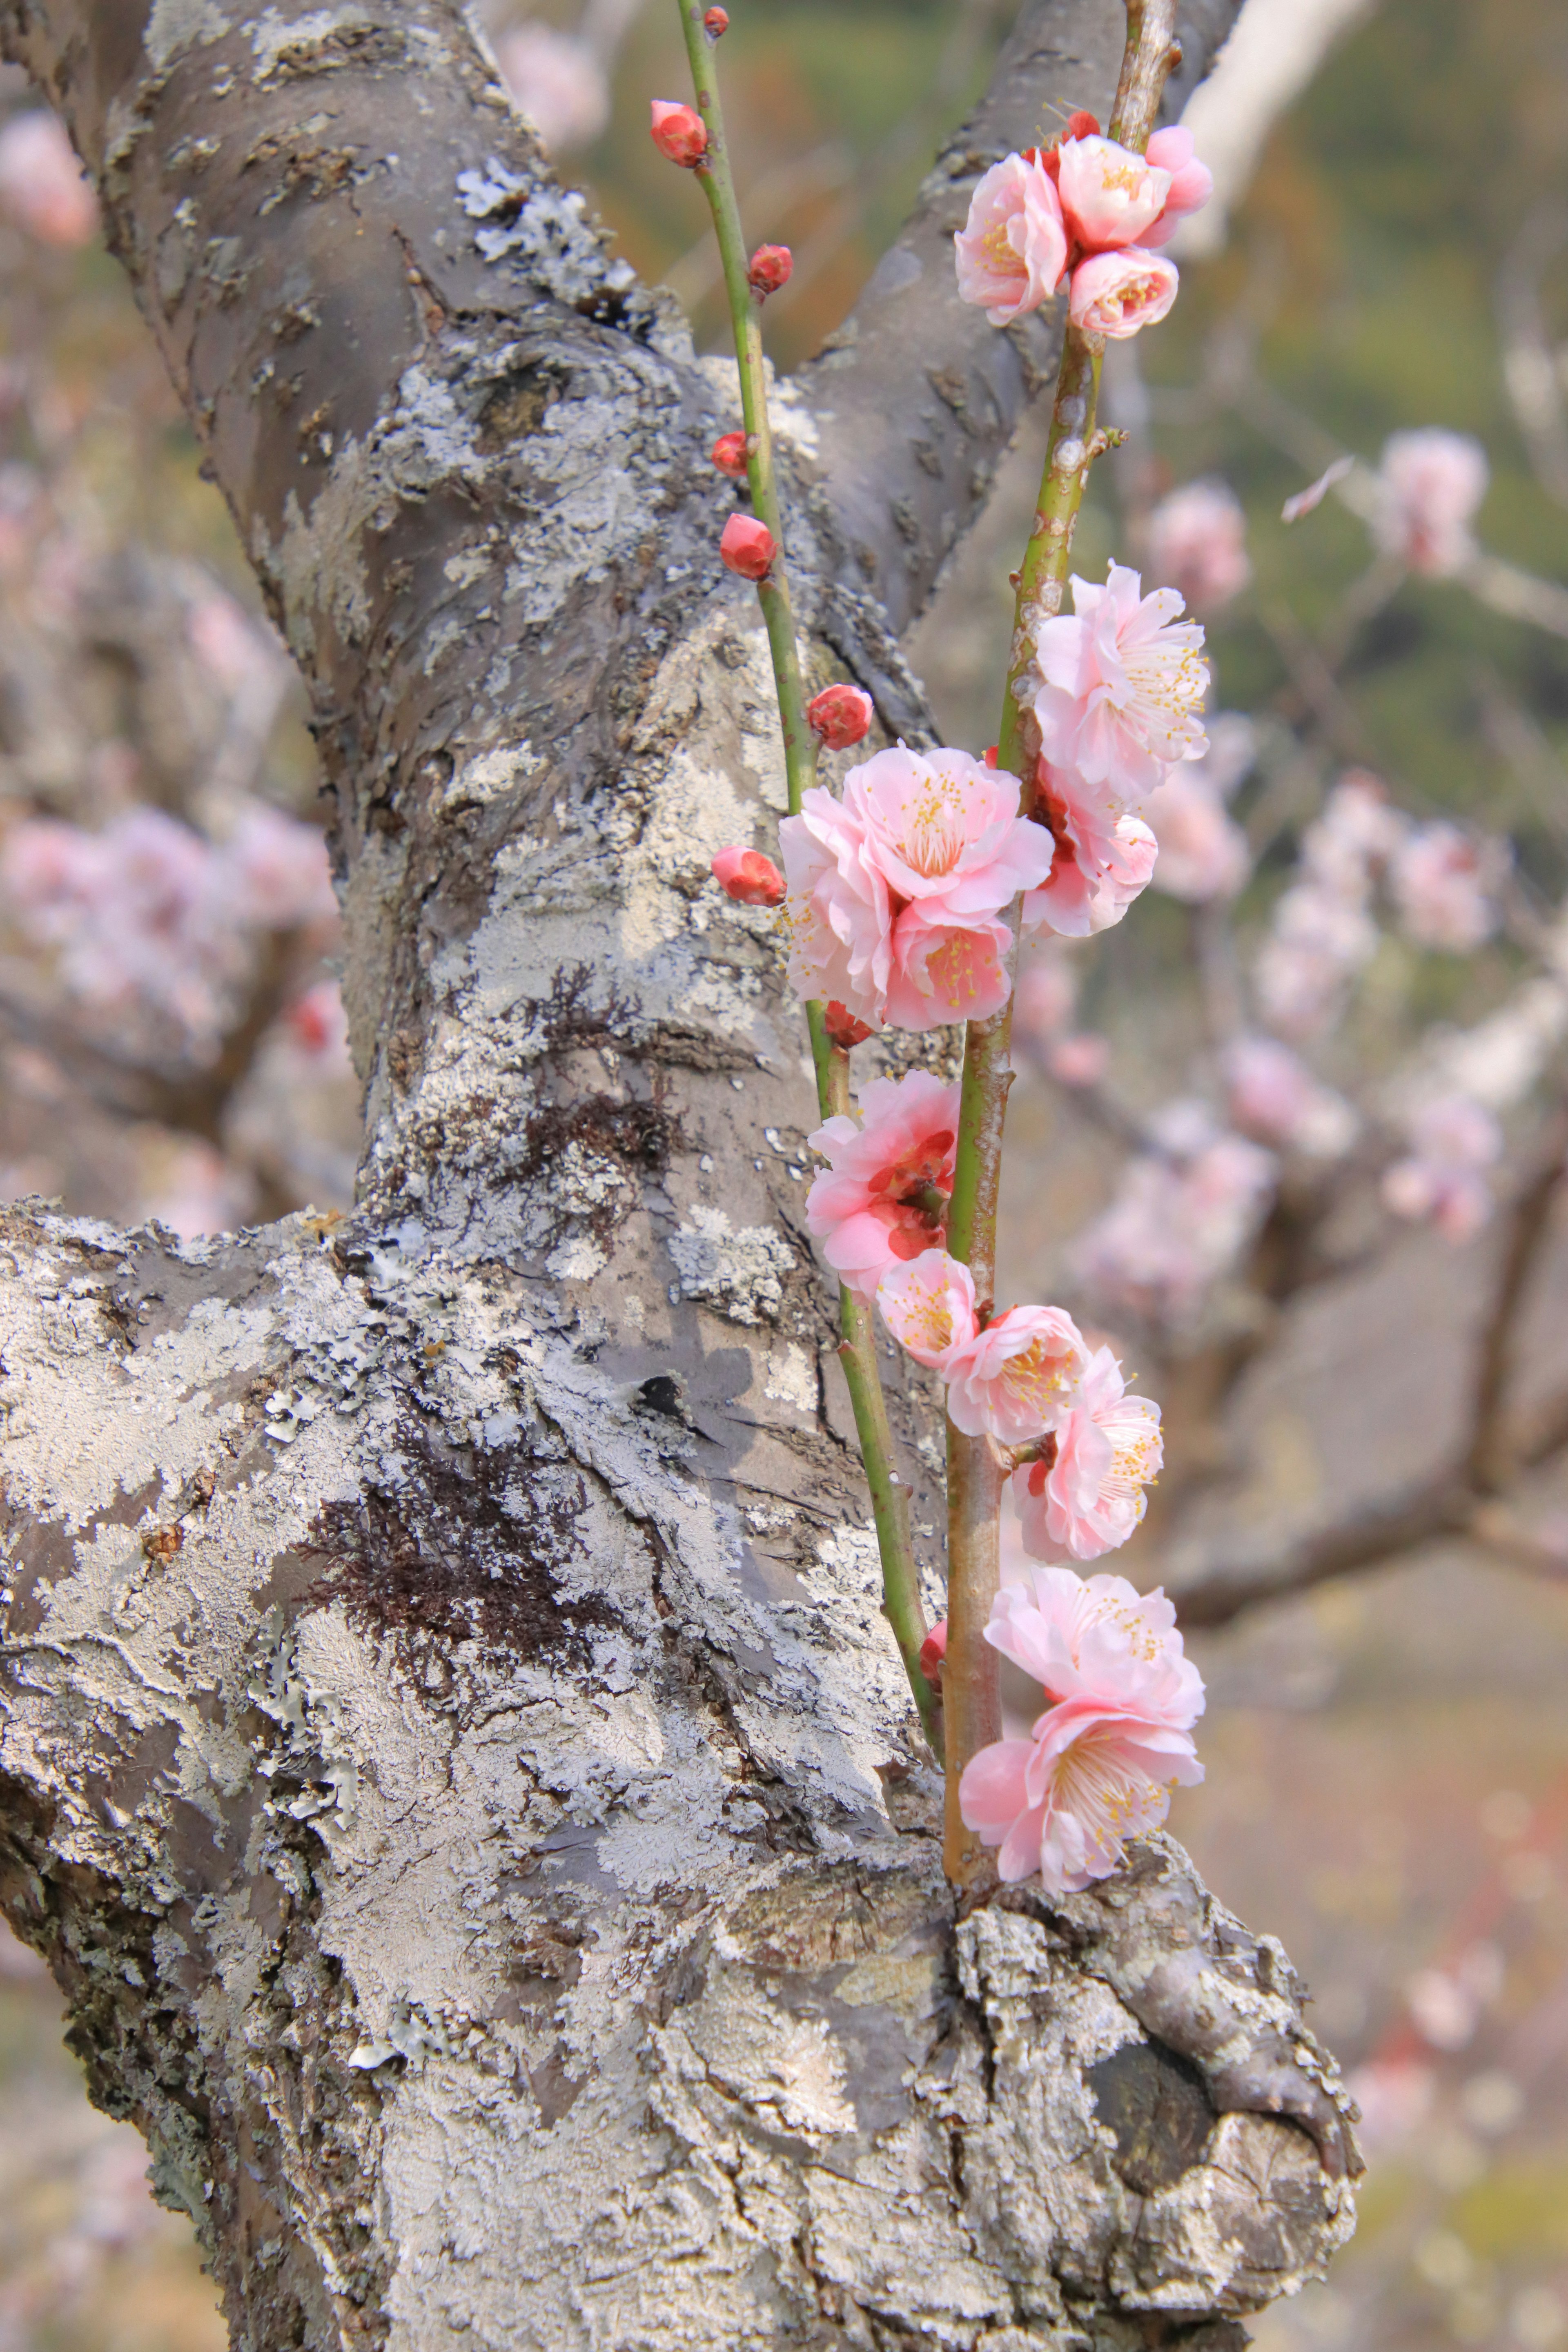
{"x":945,"y":968}
{"x":1089,"y":1500}
{"x":1044,"y":995}
{"x":1202,"y":854}
{"x":1443,"y":882}
{"x":1012,"y":1380}
{"x":1116,"y":294}
{"x":1180,"y":1220}
{"x":870,"y":1208}
{"x":1064,"y":1801}
{"x":1198,"y":543}
{"x":1452,"y":1140}
{"x":1124,"y":686}
{"x":1273,"y":1096}
{"x":1395,"y":2096}
{"x":240,"y":653}
{"x":1099,"y":1638}
{"x":944,"y":830}
{"x":1354,"y":839}
{"x":1192,"y":182}
{"x":275,"y":873}
{"x":1080,"y":1061}
{"x":557,"y":81}
{"x":1110,"y":195}
{"x":1102,"y":859}
{"x":1013,"y":248}
{"x":839,"y":911}
{"x":41,"y":182}
{"x":1429,"y":485}
{"x":1317,"y":942}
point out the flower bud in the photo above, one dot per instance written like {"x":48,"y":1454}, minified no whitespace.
{"x":730,"y":454}
{"x":770,"y":268}
{"x":934,"y":1653}
{"x":715,"y":21}
{"x":842,"y":1027}
{"x":750,"y":877}
{"x":748,"y":547}
{"x":841,"y":714}
{"x":678,"y":132}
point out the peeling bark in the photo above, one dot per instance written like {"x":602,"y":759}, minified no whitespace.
{"x":452,"y":1754}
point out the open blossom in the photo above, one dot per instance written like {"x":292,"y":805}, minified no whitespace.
{"x":1097,"y":1766}
{"x":1012,"y":1380}
{"x":1273,"y":1096}
{"x":1102,"y":859}
{"x":1443,"y":882}
{"x":1192,"y":182}
{"x":1116,"y":294}
{"x":1013,"y":248}
{"x":1123,"y":685}
{"x":1429,"y":485}
{"x":1110,"y":195}
{"x":895,"y":888}
{"x":871,"y":1208}
{"x":1452,"y":1140}
{"x":1203,"y":853}
{"x":1198,"y":543}
{"x":1089,"y":1499}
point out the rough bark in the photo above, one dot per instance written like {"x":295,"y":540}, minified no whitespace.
{"x":452,"y":1754}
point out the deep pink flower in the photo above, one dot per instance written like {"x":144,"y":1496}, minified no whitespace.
{"x":746,"y":876}
{"x":1013,"y":248}
{"x":1109,"y":195}
{"x":748,"y":547}
{"x":1429,"y":485}
{"x":1443,"y":882}
{"x":1115,"y":294}
{"x":1124,"y":686}
{"x":716,"y":22}
{"x":1192,"y":182}
{"x":770,"y":268}
{"x":933,"y":1653}
{"x":843,"y":1027}
{"x":678,"y":132}
{"x":1064,"y":1801}
{"x":1096,"y":1637}
{"x":1089,"y":1499}
{"x":871,"y":1208}
{"x":730,"y":454}
{"x":841,"y":714}
{"x":1198,"y":543}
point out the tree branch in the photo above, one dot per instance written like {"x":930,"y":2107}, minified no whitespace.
{"x":917,"y":397}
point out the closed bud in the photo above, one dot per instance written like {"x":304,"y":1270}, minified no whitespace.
{"x":678,"y":132}
{"x":730,"y":454}
{"x":842,"y":1026}
{"x":750,"y":877}
{"x":716,"y":21}
{"x":770,"y":268}
{"x":841,"y":714}
{"x":748,"y":546}
{"x":933,"y":1653}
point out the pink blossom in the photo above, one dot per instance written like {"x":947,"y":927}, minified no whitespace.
{"x":678,"y":132}
{"x":770,"y":268}
{"x":317,"y":1028}
{"x":1045,"y":994}
{"x":1453,"y":1139}
{"x":1096,"y":1638}
{"x":1080,"y":1061}
{"x":1089,"y":1499}
{"x":1442,"y":882}
{"x":1316,"y":943}
{"x":749,"y":877}
{"x":1203,"y":854}
{"x":1012,"y":1380}
{"x":1429,"y":485}
{"x":1115,"y":294}
{"x":274,"y":872}
{"x":1273,"y":1096}
{"x":1124,"y":686}
{"x":748,"y":547}
{"x":1192,"y":182}
{"x":1198,"y":543}
{"x":1354,"y":839}
{"x":1102,"y":860}
{"x":240,"y":652}
{"x":894,"y":889}
{"x":1064,"y":1801}
{"x":870,"y":1209}
{"x":1179,"y":1221}
{"x":557,"y":81}
{"x":841,"y":714}
{"x":1013,"y":248}
{"x":728,"y":455}
{"x":1110,"y":195}
{"x":41,"y":182}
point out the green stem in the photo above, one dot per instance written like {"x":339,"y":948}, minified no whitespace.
{"x":974,"y":1472}
{"x":858,"y":1347}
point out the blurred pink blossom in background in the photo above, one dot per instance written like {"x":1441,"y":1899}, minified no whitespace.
{"x":1429,"y":486}
{"x":558,"y":83}
{"x":42,"y":186}
{"x":1180,"y":1216}
{"x":1198,"y":543}
{"x":1272,"y":1096}
{"x":1452,"y":1141}
{"x":1444,"y":881}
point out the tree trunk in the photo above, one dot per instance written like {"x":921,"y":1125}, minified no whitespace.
{"x":453,"y":1758}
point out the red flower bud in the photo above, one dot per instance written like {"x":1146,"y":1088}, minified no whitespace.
{"x":989,"y":754}
{"x":934,"y":1651}
{"x":748,"y":546}
{"x":730,"y":454}
{"x":770,"y":268}
{"x":678,"y":132}
{"x":842,"y":1026}
{"x":750,"y":876}
{"x":840,"y":715}
{"x":716,"y":21}
{"x":1081,"y":124}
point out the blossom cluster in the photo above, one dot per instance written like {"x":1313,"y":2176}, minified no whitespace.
{"x":1088,"y":210}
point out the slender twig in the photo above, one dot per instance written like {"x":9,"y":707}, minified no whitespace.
{"x":889,"y":1496}
{"x":974,"y":1472}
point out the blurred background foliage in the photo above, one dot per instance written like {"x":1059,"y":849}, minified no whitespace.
{"x":1388,"y":1771}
